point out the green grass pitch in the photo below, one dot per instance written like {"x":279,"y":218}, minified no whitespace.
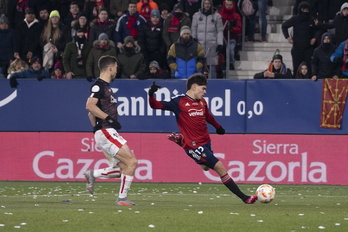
{"x":187,"y":207}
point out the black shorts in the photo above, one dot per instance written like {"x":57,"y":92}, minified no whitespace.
{"x":203,"y":155}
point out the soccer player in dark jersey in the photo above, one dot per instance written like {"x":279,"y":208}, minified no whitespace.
{"x":192,"y":115}
{"x":102,"y":108}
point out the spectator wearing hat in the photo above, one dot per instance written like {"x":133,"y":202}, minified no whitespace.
{"x":154,"y":72}
{"x":58,"y":72}
{"x":150,"y":40}
{"x":6,"y":45}
{"x":165,"y":11}
{"x":34,"y":72}
{"x":75,"y":56}
{"x":53,"y":39}
{"x":74,"y":11}
{"x":322,"y":67}
{"x":80,"y":23}
{"x":207,"y":28}
{"x":145,"y":7}
{"x":102,"y":25}
{"x":101,"y":47}
{"x":130,"y":60}
{"x":173,"y":23}
{"x":128,"y":25}
{"x":27,"y":36}
{"x":276,"y":70}
{"x":186,"y":56}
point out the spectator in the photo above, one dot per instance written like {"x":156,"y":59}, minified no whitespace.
{"x":75,"y":56}
{"x":58,"y":72}
{"x":27,"y":37}
{"x":44,"y":14}
{"x":54,"y":37}
{"x":322,"y":67}
{"x":233,"y":27}
{"x":118,"y":7}
{"x":340,"y":23}
{"x":144,"y":7}
{"x":262,"y":11}
{"x":191,"y":7}
{"x":251,"y":23}
{"x":80,"y":23}
{"x":93,"y":8}
{"x":63,"y":6}
{"x":130,"y":60}
{"x":341,"y":58}
{"x":207,"y":28}
{"x":35,"y":71}
{"x":102,"y":25}
{"x":101,"y":47}
{"x":155,"y":72}
{"x":16,"y":66}
{"x":128,"y":25}
{"x":74,"y":11}
{"x":165,"y":11}
{"x":6,"y":45}
{"x":304,"y":34}
{"x":276,"y":70}
{"x":173,"y":23}
{"x":302,"y":71}
{"x":150,"y":40}
{"x":186,"y":56}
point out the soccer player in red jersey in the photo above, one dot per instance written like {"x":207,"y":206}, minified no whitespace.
{"x":192,"y":115}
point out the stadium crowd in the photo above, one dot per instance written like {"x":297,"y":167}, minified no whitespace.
{"x":151,"y":38}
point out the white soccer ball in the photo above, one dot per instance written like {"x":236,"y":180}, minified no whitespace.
{"x":265,"y":193}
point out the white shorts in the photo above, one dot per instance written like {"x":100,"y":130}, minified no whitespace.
{"x":110,"y":142}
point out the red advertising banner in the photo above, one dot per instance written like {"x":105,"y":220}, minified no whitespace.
{"x":250,"y":158}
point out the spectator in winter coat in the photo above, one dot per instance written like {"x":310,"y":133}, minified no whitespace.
{"x":35,"y":71}
{"x":102,"y":25}
{"x":53,"y":40}
{"x":233,"y":27}
{"x":276,"y":70}
{"x":186,"y":56}
{"x":322,"y":67}
{"x":75,"y":56}
{"x":173,"y":23}
{"x":144,"y":7}
{"x":44,"y":14}
{"x":130,"y":60}
{"x":6,"y":45}
{"x":304,"y":34}
{"x":302,"y":71}
{"x":340,"y":23}
{"x":58,"y":72}
{"x":16,"y":66}
{"x":341,"y":58}
{"x":27,"y":36}
{"x":207,"y":28}
{"x":101,"y":47}
{"x":129,"y":25}
{"x":80,"y":23}
{"x":150,"y":40}
{"x":155,"y":72}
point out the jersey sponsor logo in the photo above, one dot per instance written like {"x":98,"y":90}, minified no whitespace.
{"x":194,"y":112}
{"x":187,"y":104}
{"x":112,"y":99}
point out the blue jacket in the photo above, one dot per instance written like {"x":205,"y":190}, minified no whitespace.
{"x":6,"y":45}
{"x":31,"y":73}
{"x":339,"y":53}
{"x":121,"y":30}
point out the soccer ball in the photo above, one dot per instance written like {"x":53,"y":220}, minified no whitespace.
{"x":265,"y":193}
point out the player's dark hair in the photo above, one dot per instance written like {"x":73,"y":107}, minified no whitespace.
{"x":105,"y":61}
{"x":197,"y":78}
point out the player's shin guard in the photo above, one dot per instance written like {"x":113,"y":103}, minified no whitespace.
{"x":233,"y":187}
{"x":126,"y":182}
{"x":108,"y":173}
